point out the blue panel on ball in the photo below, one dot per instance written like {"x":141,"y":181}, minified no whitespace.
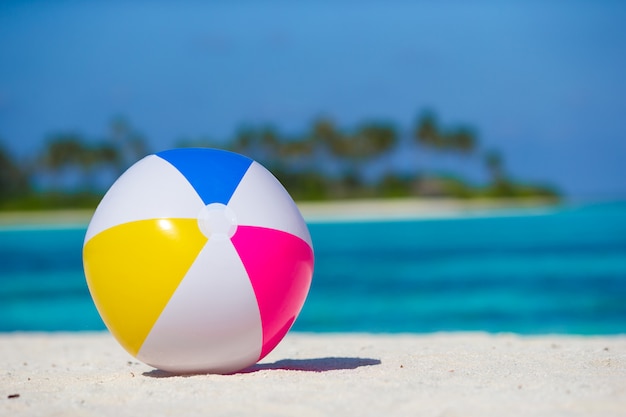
{"x":213,"y":173}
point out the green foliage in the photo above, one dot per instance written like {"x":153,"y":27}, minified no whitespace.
{"x":307,"y":185}
{"x":299,"y":162}
{"x":13,"y":177}
{"x":368,"y":141}
{"x":510,"y":189}
{"x":52,"y":200}
{"x":392,"y":186}
{"x":429,"y":134}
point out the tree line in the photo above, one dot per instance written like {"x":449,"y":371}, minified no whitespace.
{"x":325,"y":162}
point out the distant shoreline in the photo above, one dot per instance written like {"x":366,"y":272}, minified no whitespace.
{"x":414,"y":208}
{"x":324,"y":211}
{"x":58,"y":217}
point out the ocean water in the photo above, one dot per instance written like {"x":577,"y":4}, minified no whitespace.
{"x":561,"y":270}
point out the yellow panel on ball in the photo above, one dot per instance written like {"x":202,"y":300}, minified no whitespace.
{"x":134,"y":268}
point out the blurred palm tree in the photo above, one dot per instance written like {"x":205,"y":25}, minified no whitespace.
{"x":126,"y":143}
{"x":69,"y":152}
{"x":64,"y":152}
{"x":372,"y":139}
{"x":352,"y":151}
{"x":461,"y":140}
{"x":13,"y":178}
{"x":369,"y":140}
{"x":243,"y":141}
{"x":428,"y":134}
{"x":324,"y":130}
{"x":262,"y":144}
{"x":325,"y":139}
{"x":495,"y":166}
{"x":324,"y":162}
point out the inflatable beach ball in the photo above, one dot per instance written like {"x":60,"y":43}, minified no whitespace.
{"x":198,"y":260}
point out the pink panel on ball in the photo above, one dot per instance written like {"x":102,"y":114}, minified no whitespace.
{"x":280,"y":268}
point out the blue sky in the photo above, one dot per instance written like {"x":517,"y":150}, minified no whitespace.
{"x":543,"y":81}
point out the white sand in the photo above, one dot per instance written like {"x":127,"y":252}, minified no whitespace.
{"x":88,"y":374}
{"x":449,"y":374}
{"x":417,"y":208}
{"x":338,"y":210}
{"x":45,"y":217}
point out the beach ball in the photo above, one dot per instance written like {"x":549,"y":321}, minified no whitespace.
{"x":198,"y":260}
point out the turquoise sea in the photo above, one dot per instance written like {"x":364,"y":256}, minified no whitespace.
{"x":556,"y":270}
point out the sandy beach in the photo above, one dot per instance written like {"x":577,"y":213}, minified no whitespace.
{"x":340,"y":210}
{"x":333,"y":374}
{"x":447,"y":374}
